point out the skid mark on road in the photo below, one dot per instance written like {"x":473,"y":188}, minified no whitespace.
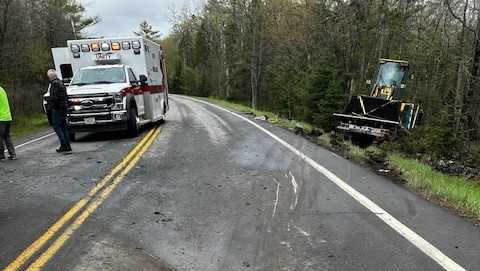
{"x":302,"y":231}
{"x":275,"y":203}
{"x":294,"y":203}
{"x":415,"y":239}
{"x":218,"y":130}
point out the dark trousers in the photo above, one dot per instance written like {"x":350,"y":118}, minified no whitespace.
{"x":5,"y":139}
{"x":59,"y":124}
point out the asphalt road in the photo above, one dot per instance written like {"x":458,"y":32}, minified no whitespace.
{"x":214,"y":192}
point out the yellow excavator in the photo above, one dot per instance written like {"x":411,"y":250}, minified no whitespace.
{"x":383,"y":113}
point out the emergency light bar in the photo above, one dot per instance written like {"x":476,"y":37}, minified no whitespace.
{"x":105,"y":47}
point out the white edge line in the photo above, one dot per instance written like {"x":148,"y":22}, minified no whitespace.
{"x":34,"y":140}
{"x":414,"y":238}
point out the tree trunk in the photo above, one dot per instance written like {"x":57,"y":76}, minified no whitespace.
{"x":256,"y":53}
{"x":5,"y":4}
{"x":460,"y":84}
{"x":474,"y":91}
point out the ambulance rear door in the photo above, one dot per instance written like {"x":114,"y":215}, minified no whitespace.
{"x":63,"y":63}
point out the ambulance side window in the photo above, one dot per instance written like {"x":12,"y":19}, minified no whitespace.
{"x":66,"y":71}
{"x":131,"y":76}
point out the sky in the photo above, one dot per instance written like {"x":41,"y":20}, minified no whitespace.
{"x":119,"y":18}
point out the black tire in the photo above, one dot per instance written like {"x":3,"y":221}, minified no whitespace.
{"x":72,"y":137}
{"x":133,"y":130}
{"x":162,"y":121}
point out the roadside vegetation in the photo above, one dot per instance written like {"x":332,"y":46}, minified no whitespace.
{"x":28,"y":30}
{"x":28,"y":124}
{"x":459,"y":193}
{"x":302,"y":60}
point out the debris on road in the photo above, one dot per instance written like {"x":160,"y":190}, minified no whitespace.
{"x":454,"y":168}
{"x":262,"y":118}
{"x":166,"y":220}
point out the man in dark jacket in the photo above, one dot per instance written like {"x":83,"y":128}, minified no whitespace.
{"x":57,"y":104}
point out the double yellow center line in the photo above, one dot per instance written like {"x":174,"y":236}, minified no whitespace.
{"x":92,"y":201}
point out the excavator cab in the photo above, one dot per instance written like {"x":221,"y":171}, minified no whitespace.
{"x":390,"y":83}
{"x":383,"y":112}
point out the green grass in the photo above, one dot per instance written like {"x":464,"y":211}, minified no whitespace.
{"x":356,"y":153}
{"x":324,"y":140}
{"x":457,"y":192}
{"x":374,"y":150}
{"x":290,"y":124}
{"x":28,"y":124}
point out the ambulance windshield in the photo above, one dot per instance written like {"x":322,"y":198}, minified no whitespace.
{"x":99,"y":76}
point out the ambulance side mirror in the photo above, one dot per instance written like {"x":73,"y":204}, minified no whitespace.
{"x":143,"y":80}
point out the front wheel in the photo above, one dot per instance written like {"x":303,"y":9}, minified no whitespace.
{"x":133,"y":130}
{"x":162,"y":121}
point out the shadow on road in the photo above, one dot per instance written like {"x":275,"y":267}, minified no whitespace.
{"x":111,"y":136}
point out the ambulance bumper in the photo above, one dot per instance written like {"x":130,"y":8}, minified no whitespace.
{"x":98,"y":122}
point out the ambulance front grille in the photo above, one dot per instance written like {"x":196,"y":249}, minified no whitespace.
{"x":90,"y":104}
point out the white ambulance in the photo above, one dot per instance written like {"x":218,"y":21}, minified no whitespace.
{"x":113,"y":84}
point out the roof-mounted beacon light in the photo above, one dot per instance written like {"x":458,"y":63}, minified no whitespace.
{"x":136,"y":44}
{"x":105,"y":46}
{"x":85,"y":48}
{"x":75,"y":48}
{"x":95,"y":47}
{"x":126,"y":45}
{"x":116,"y":46}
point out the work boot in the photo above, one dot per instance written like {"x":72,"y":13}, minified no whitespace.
{"x":12,"y":157}
{"x":60,"y":150}
{"x":67,"y":150}
{"x":2,"y":158}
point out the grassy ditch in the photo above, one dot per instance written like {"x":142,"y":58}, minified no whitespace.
{"x":28,"y":124}
{"x":458,"y":193}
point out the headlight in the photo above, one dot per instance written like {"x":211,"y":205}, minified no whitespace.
{"x":118,"y":116}
{"x":118,"y":98}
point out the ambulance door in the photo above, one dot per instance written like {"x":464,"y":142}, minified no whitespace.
{"x":63,"y":64}
{"x":138,"y":95}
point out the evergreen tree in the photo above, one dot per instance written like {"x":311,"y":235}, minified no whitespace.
{"x":146,"y":30}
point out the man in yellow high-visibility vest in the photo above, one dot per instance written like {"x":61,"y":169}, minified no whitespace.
{"x":5,"y":122}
